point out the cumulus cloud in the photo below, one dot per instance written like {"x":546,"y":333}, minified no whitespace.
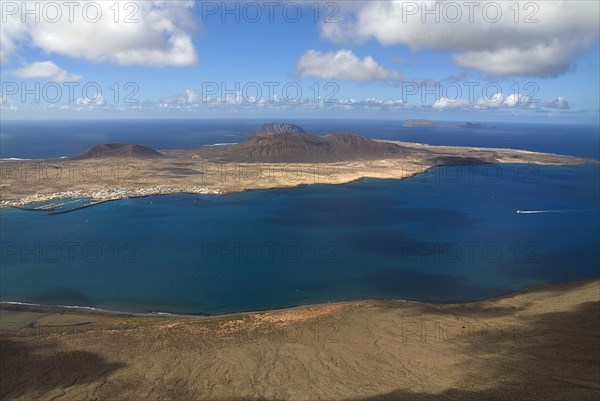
{"x":45,"y":69}
{"x":192,"y":100}
{"x":545,"y":59}
{"x":543,"y":39}
{"x":7,"y":106}
{"x":559,"y":103}
{"x":373,"y":103}
{"x":445,"y":103}
{"x":502,"y":101}
{"x":156,"y":33}
{"x":343,"y":64}
{"x":95,"y":102}
{"x":12,"y":33}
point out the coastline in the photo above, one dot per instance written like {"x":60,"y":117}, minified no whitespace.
{"x":87,"y":310}
{"x":183,"y":171}
{"x":510,"y":347}
{"x":25,"y":203}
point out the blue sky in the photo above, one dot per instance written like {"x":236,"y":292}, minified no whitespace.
{"x":367,"y":59}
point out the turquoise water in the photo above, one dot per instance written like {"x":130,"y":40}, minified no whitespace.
{"x":449,"y":235}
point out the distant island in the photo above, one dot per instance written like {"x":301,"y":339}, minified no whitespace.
{"x":280,"y":128}
{"x":435,"y":124}
{"x":277,"y":155}
{"x":420,"y":123}
{"x":471,"y":125}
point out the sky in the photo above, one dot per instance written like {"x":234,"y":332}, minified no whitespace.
{"x":445,"y":60}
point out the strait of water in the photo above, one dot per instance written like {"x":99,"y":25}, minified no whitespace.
{"x":452,"y":234}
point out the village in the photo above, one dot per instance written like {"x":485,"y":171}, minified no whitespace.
{"x":103,"y":195}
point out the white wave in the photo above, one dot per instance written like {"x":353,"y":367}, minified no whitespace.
{"x":21,"y":159}
{"x":556,"y":211}
{"x":88,"y":308}
{"x":223,"y":144}
{"x":56,"y":306}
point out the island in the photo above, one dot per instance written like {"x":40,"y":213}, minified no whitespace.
{"x":278,"y":155}
{"x":420,"y":123}
{"x":436,"y":124}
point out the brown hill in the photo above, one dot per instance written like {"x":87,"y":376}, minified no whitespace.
{"x":306,"y":148}
{"x":118,"y":149}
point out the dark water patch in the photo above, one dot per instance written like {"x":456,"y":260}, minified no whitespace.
{"x":408,"y":239}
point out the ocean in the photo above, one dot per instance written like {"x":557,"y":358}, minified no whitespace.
{"x":452,"y":234}
{"x":50,"y":139}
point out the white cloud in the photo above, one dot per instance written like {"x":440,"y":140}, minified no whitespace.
{"x":95,"y":102}
{"x":559,"y":103}
{"x":501,"y":101}
{"x":12,"y":33}
{"x":373,"y":103}
{"x":7,"y":106}
{"x":157,"y":34}
{"x":493,"y":102}
{"x":517,"y":99}
{"x":343,"y":64}
{"x":445,"y":103}
{"x":543,"y":59}
{"x":45,"y":69}
{"x":191,"y":97}
{"x":548,"y":47}
{"x":194,"y":101}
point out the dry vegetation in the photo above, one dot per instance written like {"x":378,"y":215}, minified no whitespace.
{"x":536,"y":345}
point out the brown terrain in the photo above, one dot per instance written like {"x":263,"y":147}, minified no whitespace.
{"x":119,"y":149}
{"x":306,"y":148}
{"x":540,"y":344}
{"x":277,"y":156}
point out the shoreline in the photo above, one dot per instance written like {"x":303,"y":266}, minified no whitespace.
{"x":25,"y":203}
{"x":92,"y":311}
{"x":27,"y":182}
{"x":511,"y":347}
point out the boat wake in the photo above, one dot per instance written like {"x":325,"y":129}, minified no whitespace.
{"x":556,"y":211}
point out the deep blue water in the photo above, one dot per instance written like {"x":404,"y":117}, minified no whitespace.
{"x":433,"y":237}
{"x":46,"y":139}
